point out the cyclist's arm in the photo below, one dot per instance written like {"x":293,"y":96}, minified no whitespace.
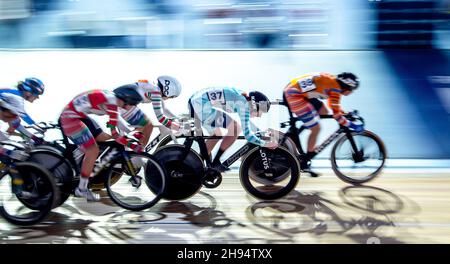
{"x":253,"y":127}
{"x":135,"y":117}
{"x":27,"y":118}
{"x":113,"y":112}
{"x":158,"y":108}
{"x":244,"y":115}
{"x":20,"y":128}
{"x":138,"y":120}
{"x":334,"y":102}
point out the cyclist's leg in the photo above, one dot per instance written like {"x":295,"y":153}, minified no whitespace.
{"x":96,"y":130}
{"x":233,"y":129}
{"x":222,"y":120}
{"x":320,"y":109}
{"x":211,"y":143}
{"x":212,"y":127}
{"x":307,"y":113}
{"x":204,"y":116}
{"x":79,"y":133}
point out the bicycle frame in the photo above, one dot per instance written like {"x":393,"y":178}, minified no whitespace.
{"x":154,"y":142}
{"x":204,"y":151}
{"x":112,"y":150}
{"x":294,"y":134}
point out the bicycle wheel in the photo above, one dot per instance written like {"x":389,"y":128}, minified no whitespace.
{"x":167,"y":140}
{"x":33,"y":209}
{"x":362,"y":166}
{"x":269,"y":174}
{"x":129,"y":194}
{"x":184,"y":172}
{"x":60,"y":169}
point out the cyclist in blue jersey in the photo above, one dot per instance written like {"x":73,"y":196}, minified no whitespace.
{"x":11,"y":106}
{"x":210,"y":107}
{"x":29,"y":89}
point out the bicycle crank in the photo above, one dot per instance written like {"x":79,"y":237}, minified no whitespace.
{"x":212,"y":178}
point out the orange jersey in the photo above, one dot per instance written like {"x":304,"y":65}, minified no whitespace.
{"x":321,"y":86}
{"x":318,"y":85}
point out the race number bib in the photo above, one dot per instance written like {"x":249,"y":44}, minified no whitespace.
{"x":216,"y":97}
{"x":82,"y":103}
{"x":306,"y":84}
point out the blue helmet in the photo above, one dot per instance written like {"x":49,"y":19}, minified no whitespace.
{"x":32,"y":85}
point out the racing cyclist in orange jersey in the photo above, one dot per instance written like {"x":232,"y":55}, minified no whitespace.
{"x":303,"y":96}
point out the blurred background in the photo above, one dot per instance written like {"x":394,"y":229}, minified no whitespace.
{"x":399,"y":48}
{"x":225,"y":24}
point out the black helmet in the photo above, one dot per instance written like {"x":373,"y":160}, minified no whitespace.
{"x":129,"y":94}
{"x":260,"y":101}
{"x":348,"y":81}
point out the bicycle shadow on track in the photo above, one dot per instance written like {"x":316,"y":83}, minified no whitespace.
{"x":70,"y":224}
{"x":196,"y":212}
{"x":362,"y":215}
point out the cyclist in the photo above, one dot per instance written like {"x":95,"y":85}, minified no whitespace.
{"x":210,"y":106}
{"x":302,"y":95}
{"x":76,"y":124}
{"x":29,"y":89}
{"x":11,"y":106}
{"x":166,"y":87}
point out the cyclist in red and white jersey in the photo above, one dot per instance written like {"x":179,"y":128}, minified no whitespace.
{"x":75,"y":124}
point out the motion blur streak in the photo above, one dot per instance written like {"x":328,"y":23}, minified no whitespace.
{"x":224,"y":24}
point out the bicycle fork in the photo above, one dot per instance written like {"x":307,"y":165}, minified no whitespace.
{"x":358,"y":155}
{"x":135,"y":180}
{"x":16,"y":181}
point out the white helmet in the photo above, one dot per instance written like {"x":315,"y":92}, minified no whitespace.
{"x":13,"y":103}
{"x":170,"y":87}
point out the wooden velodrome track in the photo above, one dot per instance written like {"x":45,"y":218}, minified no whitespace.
{"x":397,"y":207}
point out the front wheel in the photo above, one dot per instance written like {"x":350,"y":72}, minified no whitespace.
{"x":132,"y":190}
{"x":360,"y":165}
{"x":269,"y":174}
{"x":42,"y":194}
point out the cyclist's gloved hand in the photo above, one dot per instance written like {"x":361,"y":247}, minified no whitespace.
{"x":271,"y":144}
{"x":356,"y":127}
{"x":175,"y":126}
{"x":138,"y":135}
{"x":183,"y":130}
{"x":136,"y":147}
{"x":122,"y":140}
{"x":17,"y":155}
